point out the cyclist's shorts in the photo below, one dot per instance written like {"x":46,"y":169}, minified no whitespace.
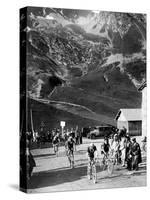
{"x":70,"y":151}
{"x":55,"y":144}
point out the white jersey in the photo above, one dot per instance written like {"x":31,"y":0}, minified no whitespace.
{"x":115,"y":146}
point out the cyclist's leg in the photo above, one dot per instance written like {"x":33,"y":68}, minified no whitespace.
{"x":69,"y":157}
{"x":54,"y":148}
{"x":104,"y":162}
{"x":57,"y":149}
{"x":110,"y":166}
{"x":72,"y":158}
{"x":65,"y":149}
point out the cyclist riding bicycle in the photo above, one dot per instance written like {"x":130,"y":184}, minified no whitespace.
{"x":70,"y":150}
{"x":92,"y":156}
{"x":55,"y":143}
{"x":70,"y":144}
{"x":91,"y":151}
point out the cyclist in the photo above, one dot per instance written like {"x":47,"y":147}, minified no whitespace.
{"x":55,"y":143}
{"x":70,"y":150}
{"x":106,"y":146}
{"x":105,"y":150}
{"x":92,"y":156}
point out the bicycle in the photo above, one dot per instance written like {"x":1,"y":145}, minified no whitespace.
{"x":91,"y":170}
{"x":108,"y":162}
{"x":70,"y":156}
{"x":55,"y":146}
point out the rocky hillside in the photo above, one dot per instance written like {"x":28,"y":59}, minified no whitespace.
{"x":91,"y":59}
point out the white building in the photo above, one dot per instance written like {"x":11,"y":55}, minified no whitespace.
{"x":131,"y":119}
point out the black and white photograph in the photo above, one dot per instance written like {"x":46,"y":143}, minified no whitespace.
{"x":83,"y":92}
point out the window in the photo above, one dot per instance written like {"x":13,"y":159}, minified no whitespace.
{"x":135,"y":127}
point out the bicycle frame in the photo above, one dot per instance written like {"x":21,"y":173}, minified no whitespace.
{"x":55,"y":146}
{"x":70,"y":156}
{"x":91,"y":170}
{"x":108,"y":162}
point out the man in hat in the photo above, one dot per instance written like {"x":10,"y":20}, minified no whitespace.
{"x":136,"y":154}
{"x":128,"y":152}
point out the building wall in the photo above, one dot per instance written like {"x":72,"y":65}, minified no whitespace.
{"x":121,"y":124}
{"x":144,"y":112}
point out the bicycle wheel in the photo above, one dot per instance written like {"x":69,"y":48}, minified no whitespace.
{"x":69,"y":159}
{"x":94,"y":175}
{"x":110,"y":167}
{"x":72,"y":160}
{"x":56,"y":150}
{"x":89,"y":171}
{"x":104,"y":166}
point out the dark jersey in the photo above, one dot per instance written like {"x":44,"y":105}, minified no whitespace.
{"x":91,"y":151}
{"x":106,"y":148}
{"x":70,"y":144}
{"x":56,"y":140}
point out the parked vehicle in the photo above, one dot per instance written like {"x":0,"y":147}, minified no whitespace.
{"x":101,"y":131}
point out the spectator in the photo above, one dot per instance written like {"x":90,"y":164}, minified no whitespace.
{"x":115,"y":149}
{"x":123,"y":150}
{"x":76,"y":136}
{"x":128,"y":153}
{"x":81,"y":137}
{"x":136,"y":154}
{"x":106,"y":146}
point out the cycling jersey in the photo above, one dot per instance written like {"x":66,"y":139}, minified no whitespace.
{"x":91,"y":151}
{"x":56,"y":140}
{"x":106,"y":148}
{"x":70,"y":144}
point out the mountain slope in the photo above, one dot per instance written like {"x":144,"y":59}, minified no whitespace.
{"x":94,"y":60}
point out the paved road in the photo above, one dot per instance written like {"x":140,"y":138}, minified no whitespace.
{"x":53,"y":173}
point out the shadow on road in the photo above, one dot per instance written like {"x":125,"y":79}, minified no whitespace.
{"x":56,"y":177}
{"x":44,"y":155}
{"x":66,"y":175}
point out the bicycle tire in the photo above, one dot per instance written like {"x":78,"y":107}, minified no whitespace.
{"x":94,"y":175}
{"x":71,"y":159}
{"x":110,"y":167}
{"x":89,"y":171}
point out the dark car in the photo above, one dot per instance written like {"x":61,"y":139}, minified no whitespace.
{"x":101,"y":131}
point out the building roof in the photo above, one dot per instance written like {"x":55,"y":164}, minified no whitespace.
{"x":130,"y":114}
{"x":142,"y":86}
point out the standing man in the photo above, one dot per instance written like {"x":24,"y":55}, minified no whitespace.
{"x":123,"y":150}
{"x":81,"y":133}
{"x":128,"y":153}
{"x":136,"y":154}
{"x":114,"y":149}
{"x":76,"y":135}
